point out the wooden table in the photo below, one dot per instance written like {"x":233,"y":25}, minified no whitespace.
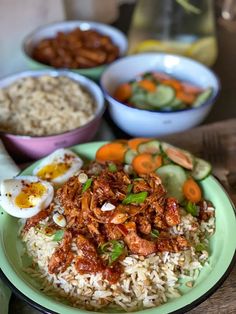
{"x":223,"y":301}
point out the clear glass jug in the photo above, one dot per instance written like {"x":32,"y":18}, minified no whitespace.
{"x":171,"y":26}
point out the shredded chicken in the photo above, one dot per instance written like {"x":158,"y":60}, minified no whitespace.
{"x":129,"y":223}
{"x":63,"y":255}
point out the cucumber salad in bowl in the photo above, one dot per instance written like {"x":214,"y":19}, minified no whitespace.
{"x":160,"y":91}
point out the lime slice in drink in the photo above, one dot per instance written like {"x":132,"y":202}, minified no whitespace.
{"x":203,"y":50}
{"x":152,"y":45}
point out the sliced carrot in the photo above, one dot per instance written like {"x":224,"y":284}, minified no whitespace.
{"x":113,"y":151}
{"x":160,"y":76}
{"x":148,"y":85}
{"x":123,"y":92}
{"x":158,"y":161}
{"x":192,"y":191}
{"x":146,"y":163}
{"x":191,"y":89}
{"x":134,"y":142}
{"x":185,"y":97}
{"x":173,"y":83}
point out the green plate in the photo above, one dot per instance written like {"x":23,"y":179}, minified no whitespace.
{"x":221,"y":260}
{"x":92,"y":73}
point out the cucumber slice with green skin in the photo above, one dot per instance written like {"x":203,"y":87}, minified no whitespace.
{"x":201,"y":170}
{"x":129,"y":156}
{"x":139,"y":100}
{"x":152,"y":147}
{"x":162,"y":97}
{"x":179,"y":156}
{"x":173,"y":178}
{"x":138,"y":97}
{"x":202,"y":98}
{"x":177,"y":104}
{"x":143,"y":106}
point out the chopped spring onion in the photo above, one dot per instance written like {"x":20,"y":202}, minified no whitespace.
{"x":58,"y":235}
{"x":129,"y":188}
{"x":112,"y":167}
{"x":192,"y":209}
{"x":201,"y":247}
{"x":113,"y":250}
{"x":135,"y":198}
{"x":154,"y":233}
{"x":87,"y":185}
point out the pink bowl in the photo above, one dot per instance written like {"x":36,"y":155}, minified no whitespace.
{"x":34,"y":147}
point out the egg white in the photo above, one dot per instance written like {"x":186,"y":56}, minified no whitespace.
{"x":11,"y":188}
{"x":60,"y":156}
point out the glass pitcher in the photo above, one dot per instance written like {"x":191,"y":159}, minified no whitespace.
{"x":171,"y":26}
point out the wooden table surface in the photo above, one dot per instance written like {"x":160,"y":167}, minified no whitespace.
{"x":224,"y":299}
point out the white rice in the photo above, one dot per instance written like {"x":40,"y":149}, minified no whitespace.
{"x":146,"y":281}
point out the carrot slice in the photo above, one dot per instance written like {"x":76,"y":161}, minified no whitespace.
{"x":160,"y":76}
{"x":173,"y":83}
{"x":185,"y":97}
{"x":191,"y":89}
{"x":147,"y":85}
{"x":146,"y":163}
{"x":113,"y":151}
{"x":192,"y":191}
{"x":134,"y":142}
{"x":123,"y":92}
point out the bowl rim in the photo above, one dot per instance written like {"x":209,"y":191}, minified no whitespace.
{"x":209,"y":101}
{"x":92,"y":24}
{"x":76,"y":77}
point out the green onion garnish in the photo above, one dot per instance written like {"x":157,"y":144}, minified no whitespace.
{"x":58,"y":235}
{"x":192,"y":209}
{"x":112,"y":167}
{"x":113,"y":250}
{"x":154,"y":233}
{"x":87,"y":185}
{"x":201,"y":247}
{"x":135,"y":198}
{"x":129,"y":188}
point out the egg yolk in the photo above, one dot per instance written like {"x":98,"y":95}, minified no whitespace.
{"x":30,"y":194}
{"x":53,"y":171}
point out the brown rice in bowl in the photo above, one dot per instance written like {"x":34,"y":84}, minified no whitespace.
{"x":44,"y":105}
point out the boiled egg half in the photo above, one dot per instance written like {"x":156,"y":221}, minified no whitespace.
{"x":59,"y":166}
{"x":25,"y":196}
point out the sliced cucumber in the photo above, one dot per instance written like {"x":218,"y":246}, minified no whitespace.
{"x":143,"y":106}
{"x":179,"y":156}
{"x":176,"y":104}
{"x":138,"y":97}
{"x":152,"y":147}
{"x":201,"y":169}
{"x":162,"y":97}
{"x":139,"y":100}
{"x":173,"y":178}
{"x":129,"y":156}
{"x":202,"y":98}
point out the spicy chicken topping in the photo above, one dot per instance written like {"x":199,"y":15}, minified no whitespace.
{"x":111,"y":215}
